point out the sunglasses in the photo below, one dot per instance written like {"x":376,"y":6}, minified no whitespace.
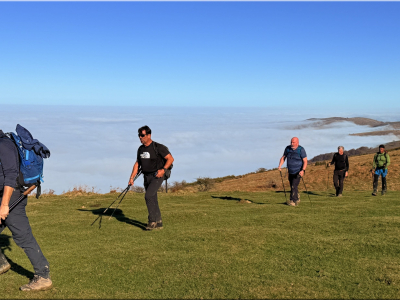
{"x":141,"y":135}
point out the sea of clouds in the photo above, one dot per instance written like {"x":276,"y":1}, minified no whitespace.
{"x":96,"y":146}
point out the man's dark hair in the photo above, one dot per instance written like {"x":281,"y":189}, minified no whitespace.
{"x":382,"y":146}
{"x":147,"y":128}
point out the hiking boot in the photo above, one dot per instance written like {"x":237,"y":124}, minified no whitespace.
{"x":154,"y":225}
{"x":4,"y":265}
{"x":37,"y":283}
{"x":383,"y":193}
{"x":291,"y":203}
{"x":374,"y":193}
{"x":340,"y":195}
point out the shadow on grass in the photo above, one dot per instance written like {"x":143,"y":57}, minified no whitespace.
{"x":117,"y":215}
{"x":240,"y":200}
{"x":5,"y":245}
{"x":304,"y":192}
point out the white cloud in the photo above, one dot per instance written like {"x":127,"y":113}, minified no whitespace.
{"x":96,"y":146}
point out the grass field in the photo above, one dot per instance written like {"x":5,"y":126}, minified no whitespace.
{"x":214,"y":246}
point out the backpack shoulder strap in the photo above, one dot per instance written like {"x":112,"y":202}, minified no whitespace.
{"x":155,"y":147}
{"x":299,"y":150}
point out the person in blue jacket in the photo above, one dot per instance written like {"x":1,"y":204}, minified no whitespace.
{"x":296,"y":163}
{"x":16,"y":220}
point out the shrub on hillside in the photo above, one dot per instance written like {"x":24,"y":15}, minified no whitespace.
{"x":137,"y":189}
{"x":272,"y":184}
{"x":177,"y":186}
{"x":204,"y":184}
{"x":80,"y":190}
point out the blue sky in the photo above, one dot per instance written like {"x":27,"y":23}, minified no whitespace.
{"x":200,"y":53}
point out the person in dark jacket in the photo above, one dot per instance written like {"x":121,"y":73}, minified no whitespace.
{"x":380,"y":168}
{"x":17,"y":220}
{"x":153,"y":167}
{"x":296,"y":163}
{"x":341,"y":162}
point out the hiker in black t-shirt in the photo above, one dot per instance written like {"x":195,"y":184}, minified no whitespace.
{"x":341,"y":162}
{"x":155,"y":161}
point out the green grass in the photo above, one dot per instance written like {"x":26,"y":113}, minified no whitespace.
{"x":212,"y":246}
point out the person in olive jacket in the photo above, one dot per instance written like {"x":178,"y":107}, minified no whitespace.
{"x":380,"y":168}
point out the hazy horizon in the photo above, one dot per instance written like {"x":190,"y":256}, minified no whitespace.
{"x":96,"y":146}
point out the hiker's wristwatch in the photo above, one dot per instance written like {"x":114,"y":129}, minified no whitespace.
{"x":165,"y":170}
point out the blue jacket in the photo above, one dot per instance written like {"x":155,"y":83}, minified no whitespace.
{"x":9,"y":162}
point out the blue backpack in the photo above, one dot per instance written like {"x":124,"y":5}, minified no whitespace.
{"x":31,"y":153}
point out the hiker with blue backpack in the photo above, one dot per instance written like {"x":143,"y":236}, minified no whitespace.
{"x":21,"y":166}
{"x":155,"y":161}
{"x":296,"y":164}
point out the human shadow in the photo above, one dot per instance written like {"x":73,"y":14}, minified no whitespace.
{"x":5,"y":245}
{"x":303,"y":192}
{"x":117,"y":214}
{"x":240,"y":200}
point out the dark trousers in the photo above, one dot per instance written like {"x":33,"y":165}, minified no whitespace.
{"x":152,"y":184}
{"x":18,"y":223}
{"x":338,"y":179}
{"x":375,"y":185}
{"x":294,"y":180}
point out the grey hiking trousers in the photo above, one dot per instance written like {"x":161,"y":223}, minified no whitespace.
{"x":152,"y":184}
{"x":18,"y":223}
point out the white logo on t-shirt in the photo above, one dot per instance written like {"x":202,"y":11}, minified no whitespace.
{"x":145,"y":155}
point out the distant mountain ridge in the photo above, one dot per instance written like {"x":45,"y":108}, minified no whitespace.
{"x":355,"y":152}
{"x":357,"y":120}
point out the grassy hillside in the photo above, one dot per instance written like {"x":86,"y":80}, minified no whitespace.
{"x":214,"y":245}
{"x":318,"y":177}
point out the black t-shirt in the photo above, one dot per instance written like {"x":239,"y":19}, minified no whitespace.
{"x":146,"y":157}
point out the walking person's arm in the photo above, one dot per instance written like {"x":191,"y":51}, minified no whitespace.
{"x":4,"y":209}
{"x":333,"y":160}
{"x":374,"y":162}
{"x":10,"y":167}
{"x":134,"y":172}
{"x":347,"y":166}
{"x":301,"y":173}
{"x":281,"y":161}
{"x":387,"y":160}
{"x":168,"y":163}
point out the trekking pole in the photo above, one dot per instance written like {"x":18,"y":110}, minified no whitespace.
{"x":283,"y":186}
{"x":27,"y":192}
{"x":126,"y":191}
{"x":327,"y":181}
{"x":123,"y":192}
{"x":306,"y":190}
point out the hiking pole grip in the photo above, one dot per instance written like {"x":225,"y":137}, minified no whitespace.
{"x":28,"y":191}
{"x":24,"y":194}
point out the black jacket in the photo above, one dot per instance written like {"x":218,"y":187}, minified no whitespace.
{"x":341,"y":162}
{"x":9,"y":162}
